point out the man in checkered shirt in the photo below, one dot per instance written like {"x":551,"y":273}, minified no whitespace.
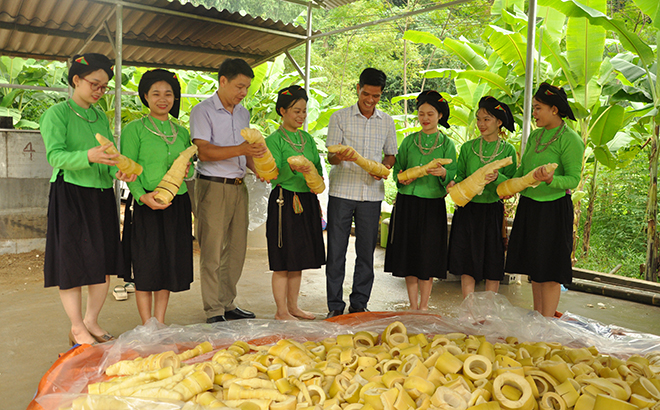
{"x":354,"y":194}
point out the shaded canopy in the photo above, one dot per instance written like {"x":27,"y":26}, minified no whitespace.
{"x":156,"y":33}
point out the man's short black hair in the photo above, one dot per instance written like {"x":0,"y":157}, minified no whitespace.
{"x":373,"y":76}
{"x":232,"y":67}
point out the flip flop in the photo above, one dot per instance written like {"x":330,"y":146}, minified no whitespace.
{"x":130,"y":287}
{"x":120,"y":293}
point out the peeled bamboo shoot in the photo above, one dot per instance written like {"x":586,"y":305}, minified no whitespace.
{"x":515,"y":185}
{"x":312,"y":178}
{"x":125,"y":164}
{"x":422,"y":170}
{"x":464,"y":191}
{"x":169,"y":185}
{"x":265,"y":165}
{"x":371,"y":166}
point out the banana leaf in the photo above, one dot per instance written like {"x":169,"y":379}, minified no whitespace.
{"x":605,"y":123}
{"x":629,"y":40}
{"x":651,"y":8}
{"x":422,"y":37}
{"x":465,"y":53}
{"x":510,"y":46}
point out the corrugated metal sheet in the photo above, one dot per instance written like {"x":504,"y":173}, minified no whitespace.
{"x":156,"y":33}
{"x":331,"y":4}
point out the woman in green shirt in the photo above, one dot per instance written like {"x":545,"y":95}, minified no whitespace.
{"x":417,"y":240}
{"x":542,"y":236}
{"x":476,"y":247}
{"x":157,"y":238}
{"x":82,"y":241}
{"x":293,"y":227}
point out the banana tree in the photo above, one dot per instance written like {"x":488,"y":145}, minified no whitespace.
{"x":647,"y":61}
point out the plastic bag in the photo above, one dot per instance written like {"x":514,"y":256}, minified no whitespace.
{"x":258,"y":193}
{"x":482,"y":313}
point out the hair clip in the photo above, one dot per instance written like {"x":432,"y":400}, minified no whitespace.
{"x":548,"y":92}
{"x":499,"y":107}
{"x":175,"y":77}
{"x":441,"y":99}
{"x":81,"y":60}
{"x":286,"y":92}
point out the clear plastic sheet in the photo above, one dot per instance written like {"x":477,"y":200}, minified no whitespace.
{"x":482,"y":313}
{"x":258,"y":193}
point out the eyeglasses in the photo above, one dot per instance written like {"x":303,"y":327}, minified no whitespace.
{"x":95,"y":86}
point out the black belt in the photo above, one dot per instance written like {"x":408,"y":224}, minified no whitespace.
{"x":222,"y":180}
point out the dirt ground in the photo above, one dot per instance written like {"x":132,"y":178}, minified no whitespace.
{"x":21,"y":269}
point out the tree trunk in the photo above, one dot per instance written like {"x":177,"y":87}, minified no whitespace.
{"x":590,"y":212}
{"x":651,"y":272}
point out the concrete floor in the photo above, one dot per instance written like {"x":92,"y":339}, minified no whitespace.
{"x":35,"y":327}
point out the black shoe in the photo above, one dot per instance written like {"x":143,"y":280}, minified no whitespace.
{"x":334,"y":313}
{"x":215,"y":319}
{"x":351,"y":309}
{"x":239,"y":313}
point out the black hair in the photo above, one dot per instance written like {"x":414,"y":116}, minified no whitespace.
{"x":287,"y":97}
{"x":84,"y":64}
{"x":373,"y":76}
{"x":232,"y":67}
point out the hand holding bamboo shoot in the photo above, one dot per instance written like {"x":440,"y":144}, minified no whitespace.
{"x":514,"y":185}
{"x":265,"y":165}
{"x":464,"y":191}
{"x":169,"y":185}
{"x":372,"y":167}
{"x":422,"y":170}
{"x":125,"y":164}
{"x":312,"y":178}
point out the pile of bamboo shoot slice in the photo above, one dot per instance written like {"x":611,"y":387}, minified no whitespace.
{"x":393,"y":371}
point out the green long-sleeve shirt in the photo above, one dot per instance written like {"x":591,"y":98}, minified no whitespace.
{"x":281,"y":150}
{"x":68,"y":137}
{"x":153,"y":153}
{"x":469,"y":162}
{"x":410,"y":156}
{"x":567,"y":151}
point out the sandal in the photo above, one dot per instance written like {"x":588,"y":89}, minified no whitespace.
{"x":120,"y":293}
{"x":130,"y":287}
{"x":103,"y":338}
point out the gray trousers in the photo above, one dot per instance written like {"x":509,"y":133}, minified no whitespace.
{"x":221,"y":229}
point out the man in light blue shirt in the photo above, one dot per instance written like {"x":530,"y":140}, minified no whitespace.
{"x":221,"y":196}
{"x":356,"y":195}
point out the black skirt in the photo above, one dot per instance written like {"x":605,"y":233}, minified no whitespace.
{"x":82,"y":240}
{"x":159,"y":245}
{"x":476,"y":247}
{"x":300,"y":245}
{"x":417,"y":238}
{"x":542,"y":240}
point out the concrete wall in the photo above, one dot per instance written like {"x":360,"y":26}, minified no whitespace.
{"x":24,"y":175}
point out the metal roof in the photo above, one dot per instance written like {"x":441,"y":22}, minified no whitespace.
{"x":156,"y":33}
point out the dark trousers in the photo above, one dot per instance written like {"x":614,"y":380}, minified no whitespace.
{"x":341,"y":213}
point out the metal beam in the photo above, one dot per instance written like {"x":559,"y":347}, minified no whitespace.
{"x":529,"y":74}
{"x":158,"y":10}
{"x":129,"y":42}
{"x":295,"y":64}
{"x":95,"y":32}
{"x":119,"y":34}
{"x":109,"y":35}
{"x":308,"y":55}
{"x":304,"y":3}
{"x":397,"y":17}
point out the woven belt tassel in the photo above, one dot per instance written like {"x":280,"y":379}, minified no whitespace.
{"x":280,"y":204}
{"x":297,"y":206}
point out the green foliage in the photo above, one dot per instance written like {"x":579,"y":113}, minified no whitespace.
{"x":618,"y":234}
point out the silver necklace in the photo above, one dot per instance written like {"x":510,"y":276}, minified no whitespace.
{"x":299,"y":148}
{"x":76,"y":112}
{"x":483,"y":158}
{"x":169,"y":139}
{"x":427,"y":150}
{"x":554,"y":138}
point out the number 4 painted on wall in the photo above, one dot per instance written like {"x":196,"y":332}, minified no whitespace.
{"x":28,"y":148}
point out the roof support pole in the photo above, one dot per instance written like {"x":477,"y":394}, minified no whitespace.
{"x":308,"y":52}
{"x":295,"y":63}
{"x":119,"y":34}
{"x":529,"y":74}
{"x":95,"y":32}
